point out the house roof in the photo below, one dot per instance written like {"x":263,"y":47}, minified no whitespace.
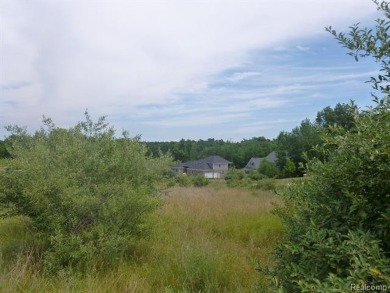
{"x":204,"y":164}
{"x":254,"y":163}
{"x":272,"y":157}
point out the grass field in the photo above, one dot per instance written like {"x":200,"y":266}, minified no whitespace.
{"x":205,"y":240}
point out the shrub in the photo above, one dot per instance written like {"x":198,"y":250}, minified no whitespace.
{"x":87,"y":193}
{"x":233,"y":177}
{"x":266,"y":184}
{"x":338,"y":222}
{"x":183,"y":180}
{"x":268,"y":169}
{"x":255,"y":175}
{"x":200,"y":180}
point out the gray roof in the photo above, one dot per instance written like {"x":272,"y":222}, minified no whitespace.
{"x":272,"y":157}
{"x":254,"y":163}
{"x":204,"y":164}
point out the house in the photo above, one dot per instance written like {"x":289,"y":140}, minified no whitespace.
{"x":254,"y":163}
{"x":210,"y":167}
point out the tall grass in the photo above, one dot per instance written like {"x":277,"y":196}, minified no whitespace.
{"x":205,"y":240}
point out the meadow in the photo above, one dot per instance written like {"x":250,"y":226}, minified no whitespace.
{"x":208,"y":239}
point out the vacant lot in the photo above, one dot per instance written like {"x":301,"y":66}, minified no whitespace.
{"x":205,"y":240}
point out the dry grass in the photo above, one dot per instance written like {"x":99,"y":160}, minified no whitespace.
{"x":212,"y":238}
{"x":206,"y":240}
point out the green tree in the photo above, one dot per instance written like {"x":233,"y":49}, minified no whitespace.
{"x":338,"y":222}
{"x":87,"y":193}
{"x":268,"y":169}
{"x":342,"y":115}
{"x":3,"y":150}
{"x":289,"y":169}
{"x":299,"y":144}
{"x":238,"y":153}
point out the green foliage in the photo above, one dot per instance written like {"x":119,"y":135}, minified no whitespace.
{"x":200,"y":180}
{"x":268,"y":169}
{"x":342,"y":115}
{"x":87,"y":193}
{"x":237,"y":152}
{"x":252,"y":180}
{"x":338,"y":222}
{"x":4,"y":154}
{"x":183,"y":180}
{"x":298,"y":145}
{"x":233,"y":177}
{"x":265,"y":184}
{"x":255,"y":175}
{"x":289,"y":169}
{"x":15,"y":238}
{"x":204,"y":240}
{"x":366,"y":42}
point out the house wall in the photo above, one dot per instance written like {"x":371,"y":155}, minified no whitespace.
{"x":194,"y":172}
{"x":220,"y":167}
{"x":213,"y":175}
{"x":207,"y":174}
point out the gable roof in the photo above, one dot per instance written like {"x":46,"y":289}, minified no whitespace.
{"x":204,"y":164}
{"x":254,"y":163}
{"x":272,"y":157}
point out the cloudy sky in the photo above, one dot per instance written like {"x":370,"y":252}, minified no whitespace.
{"x":172,"y":69}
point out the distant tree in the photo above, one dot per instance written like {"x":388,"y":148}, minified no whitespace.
{"x":289,"y":169}
{"x":238,"y":153}
{"x":268,"y":169}
{"x":299,"y":144}
{"x":342,"y":115}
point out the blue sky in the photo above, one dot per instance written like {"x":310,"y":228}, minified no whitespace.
{"x":169,"y":69}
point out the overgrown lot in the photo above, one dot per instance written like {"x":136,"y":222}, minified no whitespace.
{"x":204,"y":240}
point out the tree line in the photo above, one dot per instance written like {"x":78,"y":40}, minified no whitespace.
{"x":293,"y":148}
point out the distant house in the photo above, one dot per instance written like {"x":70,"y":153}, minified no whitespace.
{"x":210,"y":167}
{"x":254,"y":163}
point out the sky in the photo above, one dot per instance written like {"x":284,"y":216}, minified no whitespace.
{"x":173,"y":69}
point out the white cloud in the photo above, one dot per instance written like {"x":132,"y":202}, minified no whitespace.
{"x":114,"y":56}
{"x":302,"y":48}
{"x":238,"y":76}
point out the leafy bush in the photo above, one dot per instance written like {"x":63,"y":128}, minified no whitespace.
{"x":338,"y":222}
{"x":255,"y":175}
{"x":200,"y":180}
{"x":266,"y":184}
{"x":252,"y":180}
{"x":268,"y":169}
{"x":233,"y":177}
{"x":87,"y":193}
{"x":183,"y":180}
